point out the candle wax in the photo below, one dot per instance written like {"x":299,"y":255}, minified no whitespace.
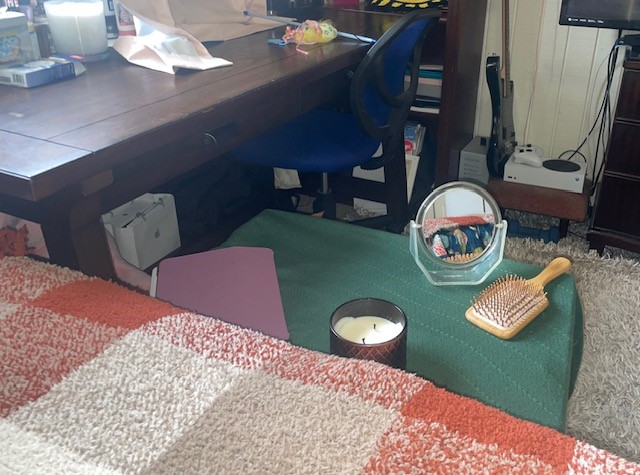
{"x":77,"y":27}
{"x":374,"y":330}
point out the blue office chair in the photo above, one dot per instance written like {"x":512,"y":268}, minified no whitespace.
{"x":331,"y":141}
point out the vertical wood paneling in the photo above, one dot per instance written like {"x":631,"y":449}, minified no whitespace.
{"x":559,"y":73}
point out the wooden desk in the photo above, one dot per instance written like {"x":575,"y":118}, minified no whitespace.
{"x":73,"y":150}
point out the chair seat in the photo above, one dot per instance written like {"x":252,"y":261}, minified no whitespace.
{"x":325,"y":141}
{"x":320,"y":141}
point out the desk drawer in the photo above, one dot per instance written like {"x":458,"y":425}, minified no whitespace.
{"x":169,"y":151}
{"x":256,"y":113}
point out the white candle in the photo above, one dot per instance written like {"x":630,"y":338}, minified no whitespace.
{"x":77,"y":27}
{"x":369,"y":330}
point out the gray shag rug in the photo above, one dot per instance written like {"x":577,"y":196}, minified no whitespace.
{"x":604,"y":409}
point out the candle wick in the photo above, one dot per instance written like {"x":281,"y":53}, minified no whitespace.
{"x":363,"y":341}
{"x":374,"y":326}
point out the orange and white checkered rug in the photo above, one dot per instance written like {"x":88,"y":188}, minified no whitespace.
{"x":97,"y":379}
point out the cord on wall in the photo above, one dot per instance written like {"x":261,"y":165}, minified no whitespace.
{"x":603,"y":118}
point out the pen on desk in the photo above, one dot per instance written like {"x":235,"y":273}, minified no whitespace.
{"x":294,"y":23}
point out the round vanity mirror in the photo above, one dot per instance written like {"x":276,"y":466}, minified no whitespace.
{"x":458,"y":235}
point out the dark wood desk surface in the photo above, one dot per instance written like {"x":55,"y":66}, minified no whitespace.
{"x":73,"y":150}
{"x":97,"y":115}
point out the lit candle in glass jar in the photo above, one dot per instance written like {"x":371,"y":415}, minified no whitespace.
{"x":367,"y":329}
{"x":370,"y":329}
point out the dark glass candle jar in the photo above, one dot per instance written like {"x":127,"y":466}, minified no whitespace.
{"x":370,"y":329}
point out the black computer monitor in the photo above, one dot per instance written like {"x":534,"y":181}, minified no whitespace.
{"x":614,"y":14}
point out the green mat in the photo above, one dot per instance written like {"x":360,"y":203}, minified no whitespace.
{"x":322,"y":264}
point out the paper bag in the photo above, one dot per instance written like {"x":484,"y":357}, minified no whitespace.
{"x":206,"y":20}
{"x":164,"y":48}
{"x":145,"y":229}
{"x":169,"y":32}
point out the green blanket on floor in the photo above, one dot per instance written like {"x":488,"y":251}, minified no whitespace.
{"x":322,"y":264}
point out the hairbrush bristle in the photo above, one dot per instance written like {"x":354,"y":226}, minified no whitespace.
{"x":508,"y":305}
{"x":508,"y":300}
{"x":460,"y":258}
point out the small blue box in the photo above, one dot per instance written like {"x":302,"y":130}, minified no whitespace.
{"x":43,"y":71}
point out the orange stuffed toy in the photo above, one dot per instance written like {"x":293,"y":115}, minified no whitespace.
{"x":13,"y":242}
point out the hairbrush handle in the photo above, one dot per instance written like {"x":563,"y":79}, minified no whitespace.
{"x":555,"y":268}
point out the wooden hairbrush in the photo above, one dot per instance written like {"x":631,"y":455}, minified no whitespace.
{"x":510,"y":303}
{"x":461,"y":258}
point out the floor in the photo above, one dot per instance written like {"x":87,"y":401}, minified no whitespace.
{"x":577,"y":232}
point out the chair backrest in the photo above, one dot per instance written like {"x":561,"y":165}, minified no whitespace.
{"x":380,"y":99}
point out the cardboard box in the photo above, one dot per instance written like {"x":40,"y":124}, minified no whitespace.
{"x":413,"y":138}
{"x":473,"y":161}
{"x":42,"y":71}
{"x":145,"y":229}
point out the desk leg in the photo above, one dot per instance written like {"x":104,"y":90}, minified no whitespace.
{"x":563,"y":227}
{"x":596,"y":242}
{"x":85,"y":249}
{"x":75,"y":237}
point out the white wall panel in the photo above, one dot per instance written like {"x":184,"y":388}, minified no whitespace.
{"x":559,"y":73}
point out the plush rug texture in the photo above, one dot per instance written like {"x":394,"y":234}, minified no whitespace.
{"x":98,"y":379}
{"x":605,"y":406}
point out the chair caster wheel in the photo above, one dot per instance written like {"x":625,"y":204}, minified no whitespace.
{"x":325,"y":204}
{"x":396,"y":227}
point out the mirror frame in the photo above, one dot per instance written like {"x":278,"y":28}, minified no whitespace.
{"x":472,"y":272}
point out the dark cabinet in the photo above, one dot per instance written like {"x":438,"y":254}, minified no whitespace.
{"x":462,"y":60}
{"x":616,"y":218}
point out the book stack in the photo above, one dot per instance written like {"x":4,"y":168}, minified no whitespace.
{"x":429,"y":89}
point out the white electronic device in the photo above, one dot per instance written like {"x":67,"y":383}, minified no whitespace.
{"x":473,"y":161}
{"x":552,"y":173}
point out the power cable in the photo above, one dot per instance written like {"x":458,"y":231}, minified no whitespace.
{"x":603,"y":118}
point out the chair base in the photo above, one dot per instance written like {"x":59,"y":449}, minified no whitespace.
{"x":325,"y":204}
{"x":345,"y":187}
